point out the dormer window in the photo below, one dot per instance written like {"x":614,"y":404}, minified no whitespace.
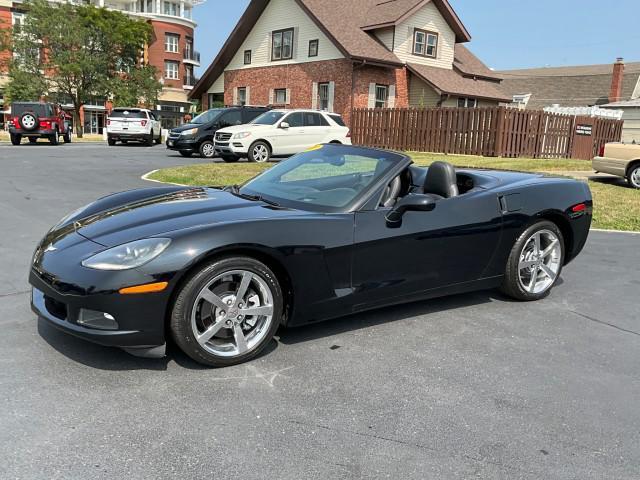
{"x":282,"y":45}
{"x":425,"y":43}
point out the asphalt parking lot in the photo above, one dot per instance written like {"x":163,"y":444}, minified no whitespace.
{"x":472,"y":386}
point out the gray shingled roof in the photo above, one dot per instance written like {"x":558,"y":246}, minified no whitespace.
{"x":577,"y":86}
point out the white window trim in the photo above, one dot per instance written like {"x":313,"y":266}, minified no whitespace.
{"x":168,"y":46}
{"x":168,"y":73}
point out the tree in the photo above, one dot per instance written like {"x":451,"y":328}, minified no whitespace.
{"x":140,"y":87}
{"x":84,"y":51}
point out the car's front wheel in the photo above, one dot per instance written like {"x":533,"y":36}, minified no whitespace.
{"x":67,"y":136}
{"x":207,"y":150}
{"x":634,"y":176}
{"x":259,"y":152}
{"x":227,"y":312}
{"x":535,"y":262}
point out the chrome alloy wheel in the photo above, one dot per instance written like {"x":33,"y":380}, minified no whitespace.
{"x":540,"y":262}
{"x":233,"y":313}
{"x":260,"y":153}
{"x":634,"y":177}
{"x":28,"y":121}
{"x":208,"y":150}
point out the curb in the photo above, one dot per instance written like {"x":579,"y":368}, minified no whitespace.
{"x":600,"y":230}
{"x":146,"y":178}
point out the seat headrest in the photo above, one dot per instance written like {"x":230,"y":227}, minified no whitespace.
{"x":441,"y":180}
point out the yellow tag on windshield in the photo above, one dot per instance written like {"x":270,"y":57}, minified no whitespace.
{"x":314,"y":148}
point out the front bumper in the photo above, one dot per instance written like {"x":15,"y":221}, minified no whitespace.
{"x":183,"y":145}
{"x":140,"y":318}
{"x":232,"y":148}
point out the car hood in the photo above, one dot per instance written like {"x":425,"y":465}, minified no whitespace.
{"x":158,"y":215}
{"x":249,"y":127}
{"x":186,"y":126}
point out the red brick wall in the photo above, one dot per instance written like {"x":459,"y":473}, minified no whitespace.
{"x":299,"y":78}
{"x":157,"y":54}
{"x":5,"y":26}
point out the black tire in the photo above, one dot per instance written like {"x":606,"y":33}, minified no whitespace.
{"x":15,"y":139}
{"x":150,"y":140}
{"x":512,"y":284}
{"x":186,"y":154}
{"x":230,"y":159}
{"x":259,"y":152}
{"x":180,"y":321}
{"x":53,"y":139}
{"x":207,"y":150}
{"x":111,"y":141}
{"x":29,"y":121}
{"x":33,"y":139}
{"x":67,"y":136}
{"x":634,"y":176}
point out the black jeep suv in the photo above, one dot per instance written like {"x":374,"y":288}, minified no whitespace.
{"x":197,"y":136}
{"x":38,"y":120}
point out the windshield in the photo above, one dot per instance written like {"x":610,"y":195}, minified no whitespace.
{"x":268,"y":118}
{"x":326,"y":178}
{"x":208,"y":116}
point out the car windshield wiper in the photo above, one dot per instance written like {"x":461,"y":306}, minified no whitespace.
{"x":235,"y":190}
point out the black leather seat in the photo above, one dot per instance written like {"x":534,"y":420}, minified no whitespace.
{"x":441,"y":181}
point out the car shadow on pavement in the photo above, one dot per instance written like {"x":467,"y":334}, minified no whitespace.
{"x":115,"y":359}
{"x":384,"y":315}
{"x":616,"y":181}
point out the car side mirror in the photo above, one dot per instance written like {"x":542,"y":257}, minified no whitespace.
{"x":411,"y":203}
{"x":284,"y":125}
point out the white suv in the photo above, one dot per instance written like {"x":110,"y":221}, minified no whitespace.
{"x":280,"y":133}
{"x":136,"y":124}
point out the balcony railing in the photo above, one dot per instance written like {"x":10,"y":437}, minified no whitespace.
{"x":190,"y":81}
{"x":192,"y":55}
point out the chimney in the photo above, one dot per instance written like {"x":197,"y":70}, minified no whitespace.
{"x":615,"y":95}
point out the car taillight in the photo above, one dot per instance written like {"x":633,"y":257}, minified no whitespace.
{"x":108,"y":122}
{"x":45,"y":124}
{"x":143,"y":123}
{"x":581,"y":207}
{"x":16,"y":122}
{"x":601,"y":152}
{"x":349,"y":134}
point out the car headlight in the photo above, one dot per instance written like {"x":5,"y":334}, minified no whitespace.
{"x":188,"y":133}
{"x":128,"y":256}
{"x":241,"y":135}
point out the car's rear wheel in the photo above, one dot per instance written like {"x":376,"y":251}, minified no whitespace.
{"x":33,"y":139}
{"x":230,"y":159}
{"x":259,"y":152}
{"x":186,"y":154}
{"x":15,"y":139}
{"x":227,"y":312}
{"x":67,"y":136}
{"x":207,"y":150}
{"x":158,"y":139}
{"x":535,"y":262}
{"x":111,"y":141}
{"x":53,"y":139}
{"x":634,"y":176}
{"x":150,"y":139}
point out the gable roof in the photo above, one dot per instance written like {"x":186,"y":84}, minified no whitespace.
{"x":470,"y":65}
{"x":450,"y":82}
{"x":345,"y":23}
{"x":573,"y":86}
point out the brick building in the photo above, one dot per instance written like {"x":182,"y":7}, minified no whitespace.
{"x":171,"y":52}
{"x":336,"y":55}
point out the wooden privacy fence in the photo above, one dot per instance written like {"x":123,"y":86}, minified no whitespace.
{"x":494,"y":132}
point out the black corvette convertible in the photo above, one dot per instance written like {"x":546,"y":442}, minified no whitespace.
{"x":332,"y":231}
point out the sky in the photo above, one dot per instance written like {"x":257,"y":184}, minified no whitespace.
{"x":505,"y":34}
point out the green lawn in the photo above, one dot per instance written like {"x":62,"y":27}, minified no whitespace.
{"x":617,"y":207}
